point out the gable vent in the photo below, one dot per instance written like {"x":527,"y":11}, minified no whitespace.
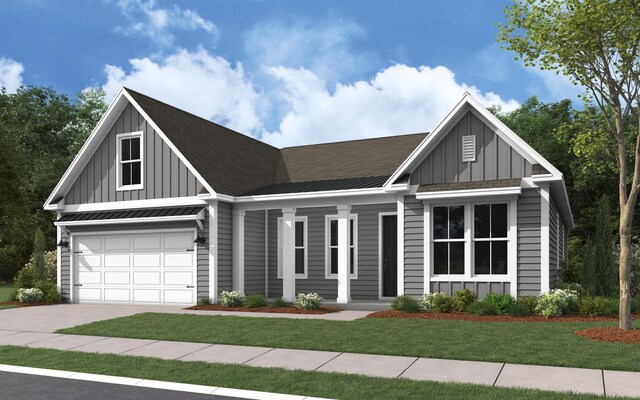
{"x":468,"y":148}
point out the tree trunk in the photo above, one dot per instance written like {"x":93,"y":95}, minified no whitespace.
{"x":626,"y":218}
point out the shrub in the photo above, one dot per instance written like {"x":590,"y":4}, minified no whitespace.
{"x":280,"y":303}
{"x":501,"y":301}
{"x":528,"y":301}
{"x":231,"y":299}
{"x":518,"y":309}
{"x":51,"y":265}
{"x":26,"y":278}
{"x":49,"y":291}
{"x":204,"y":301}
{"x":438,"y":302}
{"x":557,"y":302}
{"x":405,"y":303}
{"x":576,"y":287}
{"x":598,"y":305}
{"x":30,"y":295}
{"x":462,"y":299}
{"x":482,"y":308}
{"x":311,"y":301}
{"x":255,"y":301}
{"x":39,"y":264}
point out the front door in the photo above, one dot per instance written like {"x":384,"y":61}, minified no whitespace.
{"x":389,"y":256}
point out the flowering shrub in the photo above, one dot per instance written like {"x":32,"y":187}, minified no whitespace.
{"x":311,"y":301}
{"x":50,"y":262}
{"x":31,"y":295}
{"x":438,"y":302}
{"x":557,"y":302}
{"x":231,"y":299}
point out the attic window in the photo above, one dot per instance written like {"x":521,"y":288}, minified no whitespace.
{"x":468,"y":148}
{"x":129,"y":161}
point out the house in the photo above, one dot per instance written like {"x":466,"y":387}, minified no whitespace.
{"x":163,"y":207}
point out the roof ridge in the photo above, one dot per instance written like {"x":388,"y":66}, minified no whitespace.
{"x":356,"y":140}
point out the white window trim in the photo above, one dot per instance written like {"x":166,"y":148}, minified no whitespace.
{"x":491,"y":239}
{"x":304,"y":219}
{"x":463,"y":240}
{"x":119,"y":138}
{"x":327,"y":246}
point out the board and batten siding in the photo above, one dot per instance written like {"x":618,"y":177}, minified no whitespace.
{"x":413,"y":246}
{"x":529,"y":254}
{"x":254,"y":262}
{"x":225,"y":251}
{"x":495,"y":159}
{"x":165,"y":176}
{"x":480,"y":288}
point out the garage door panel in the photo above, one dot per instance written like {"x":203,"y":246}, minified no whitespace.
{"x":146,"y":295}
{"x":146,"y":278}
{"x":175,"y":260}
{"x":178,"y":242}
{"x":172,"y":296}
{"x":146,"y":261}
{"x":117,"y":295}
{"x":89,"y":244}
{"x":90,"y":294}
{"x":178,"y":278}
{"x":89,"y":278}
{"x":116,"y":278}
{"x":147,"y":242}
{"x":117,"y":243}
{"x":116,"y":261}
{"x":89,"y":262}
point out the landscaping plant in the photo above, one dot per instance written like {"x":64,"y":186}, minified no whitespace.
{"x":438,"y":302}
{"x":557,"y":302}
{"x":49,"y":291}
{"x":598,"y":305}
{"x":502,"y":302}
{"x":31,"y":295}
{"x":231,"y":299}
{"x":205,"y":301}
{"x":255,"y":301}
{"x":310,"y":301}
{"x":482,"y":308}
{"x":462,"y":299}
{"x":279,"y":303}
{"x":406,"y":303}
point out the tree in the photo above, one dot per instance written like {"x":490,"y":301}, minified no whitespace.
{"x":39,"y":266}
{"x":595,"y":43}
{"x":598,"y":274}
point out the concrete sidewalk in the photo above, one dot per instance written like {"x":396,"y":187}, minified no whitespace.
{"x":579,"y":380}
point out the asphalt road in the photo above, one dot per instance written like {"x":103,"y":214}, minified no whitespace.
{"x":32,"y":387}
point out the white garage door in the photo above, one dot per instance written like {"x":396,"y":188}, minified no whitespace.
{"x":149,"y":268}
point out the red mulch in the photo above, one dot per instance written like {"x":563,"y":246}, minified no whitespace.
{"x":268,"y":309}
{"x":18,"y":304}
{"x":493,"y":318}
{"x":611,"y":335}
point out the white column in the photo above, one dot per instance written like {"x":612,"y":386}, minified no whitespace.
{"x":544,"y":238}
{"x":344,"y":284}
{"x":512,"y":263}
{"x":213,"y":250}
{"x":238,"y":250}
{"x":59,"y":256}
{"x":427,"y":247}
{"x":288,"y":254}
{"x":400,"y":233}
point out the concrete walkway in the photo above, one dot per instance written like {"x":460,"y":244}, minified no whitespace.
{"x":595,"y":381}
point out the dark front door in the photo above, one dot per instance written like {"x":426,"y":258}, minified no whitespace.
{"x":389,"y":256}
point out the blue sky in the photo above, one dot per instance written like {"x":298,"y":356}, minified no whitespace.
{"x":287,"y":72}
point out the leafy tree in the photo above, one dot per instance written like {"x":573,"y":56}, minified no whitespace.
{"x":599,"y":274}
{"x":596,"y":44}
{"x":39,"y":266}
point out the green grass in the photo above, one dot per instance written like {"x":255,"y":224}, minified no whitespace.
{"x":5,"y":291}
{"x":551,"y":343}
{"x":319,"y":384}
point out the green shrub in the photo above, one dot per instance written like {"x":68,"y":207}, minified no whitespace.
{"x":38,"y":257}
{"x":576,"y":287}
{"x":502,"y":302}
{"x":255,"y":301}
{"x":205,"y":301}
{"x":405,"y":303}
{"x":635,"y":305}
{"x":462,"y":299}
{"x":598,"y":305}
{"x":30,"y":295}
{"x":310,"y":301}
{"x":438,"y":302}
{"x":528,"y":301}
{"x":557,"y":302}
{"x":51,"y":264}
{"x":518,"y":309}
{"x":231,"y":299}
{"x":481,"y":308}
{"x":280,"y":303}
{"x":25,"y":279}
{"x":49,"y":291}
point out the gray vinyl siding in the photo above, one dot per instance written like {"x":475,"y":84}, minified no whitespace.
{"x":275,"y":284}
{"x":481,"y":288}
{"x":225,"y":251}
{"x":529,"y":253}
{"x":413,"y":246}
{"x":165,"y":176}
{"x":203,"y":261}
{"x":65,"y":270}
{"x":495,"y":159}
{"x":554,"y":228}
{"x":367,"y":285}
{"x":254,"y":279}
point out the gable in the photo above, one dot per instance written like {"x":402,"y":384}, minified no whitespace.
{"x":164,"y":174}
{"x":494,"y":157}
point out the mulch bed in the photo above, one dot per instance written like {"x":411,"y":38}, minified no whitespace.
{"x":611,"y":335}
{"x":268,"y":309}
{"x":18,"y":304}
{"x":493,"y":318}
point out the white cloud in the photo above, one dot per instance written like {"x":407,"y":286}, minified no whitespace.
{"x":198,"y":82}
{"x":10,"y":74}
{"x":156,"y":23}
{"x":399,"y":99}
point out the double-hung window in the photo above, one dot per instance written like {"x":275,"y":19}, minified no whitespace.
{"x":448,"y":240}
{"x":129,"y":161}
{"x":332,"y":246}
{"x":490,"y":239}
{"x":300,"y":247}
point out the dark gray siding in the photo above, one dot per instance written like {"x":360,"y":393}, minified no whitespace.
{"x":495,"y":159}
{"x":65,"y":270}
{"x":275,"y":284}
{"x":554,"y":228}
{"x":529,"y":243}
{"x":203,"y":261}
{"x":165,"y":176}
{"x":413,"y":246}
{"x":481,"y":288}
{"x":254,"y":279}
{"x":225,"y":251}
{"x":366,"y":286}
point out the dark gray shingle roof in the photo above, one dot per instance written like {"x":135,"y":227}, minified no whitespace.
{"x":321,"y":186}
{"x":126,"y":214}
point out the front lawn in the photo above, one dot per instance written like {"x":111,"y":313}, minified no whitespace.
{"x":543,"y":343}
{"x":6,"y":290}
{"x":319,"y":384}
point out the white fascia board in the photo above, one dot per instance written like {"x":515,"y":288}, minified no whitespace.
{"x":127,"y":220}
{"x":169,"y":143}
{"x":456,"y":194}
{"x":134,"y":204}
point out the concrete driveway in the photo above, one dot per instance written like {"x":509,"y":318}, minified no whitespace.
{"x":51,"y":318}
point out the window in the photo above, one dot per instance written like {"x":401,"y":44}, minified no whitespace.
{"x":331,"y":261}
{"x":129,"y":161}
{"x":300,"y":247}
{"x":490,"y":239}
{"x":448,"y":240}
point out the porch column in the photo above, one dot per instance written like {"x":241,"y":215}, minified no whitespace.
{"x":213,"y":250}
{"x":288,"y":254}
{"x":59,"y":255}
{"x":344,"y":260}
{"x":238,"y":250}
{"x":400,"y":243}
{"x":544,"y":238}
{"x":427,"y":246}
